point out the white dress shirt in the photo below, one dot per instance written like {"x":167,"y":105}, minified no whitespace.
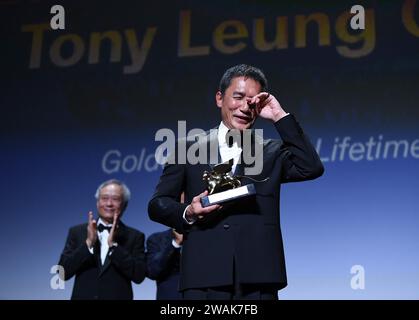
{"x":103,"y":239}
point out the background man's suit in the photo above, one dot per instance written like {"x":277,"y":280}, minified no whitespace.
{"x":112,"y":280}
{"x":243,"y":241}
{"x":163,"y":265}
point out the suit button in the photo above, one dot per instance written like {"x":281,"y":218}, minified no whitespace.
{"x":226,"y":226}
{"x":96,"y":297}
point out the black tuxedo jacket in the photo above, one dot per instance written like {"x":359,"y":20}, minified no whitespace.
{"x":245,"y":235}
{"x":112,"y":280}
{"x":163,"y":261}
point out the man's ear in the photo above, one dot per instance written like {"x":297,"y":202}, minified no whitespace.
{"x":219,"y":99}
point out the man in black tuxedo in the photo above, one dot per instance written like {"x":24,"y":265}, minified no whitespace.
{"x":105,"y":255}
{"x":163,"y":258}
{"x":235,"y":250}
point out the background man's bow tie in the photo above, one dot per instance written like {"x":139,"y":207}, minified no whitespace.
{"x":101,"y":227}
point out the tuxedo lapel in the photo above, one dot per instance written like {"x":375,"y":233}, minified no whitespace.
{"x":239,"y":171}
{"x":96,"y":254}
{"x":105,"y":265}
{"x":120,"y":239}
{"x":247,"y":152}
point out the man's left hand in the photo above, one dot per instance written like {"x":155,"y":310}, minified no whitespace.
{"x":267,"y":106}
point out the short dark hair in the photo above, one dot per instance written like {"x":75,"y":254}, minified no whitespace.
{"x":242,"y":70}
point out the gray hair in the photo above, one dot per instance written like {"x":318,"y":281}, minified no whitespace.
{"x":126,"y":193}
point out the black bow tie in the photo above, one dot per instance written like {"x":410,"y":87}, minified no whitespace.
{"x":234,"y":135}
{"x":101,"y":227}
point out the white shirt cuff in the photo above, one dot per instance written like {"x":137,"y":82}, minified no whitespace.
{"x":192,"y":221}
{"x":174,"y":243}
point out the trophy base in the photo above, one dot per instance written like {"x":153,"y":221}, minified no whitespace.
{"x":224,"y":196}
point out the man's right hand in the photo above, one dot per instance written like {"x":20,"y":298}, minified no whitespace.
{"x":195,"y":209}
{"x":91,"y":231}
